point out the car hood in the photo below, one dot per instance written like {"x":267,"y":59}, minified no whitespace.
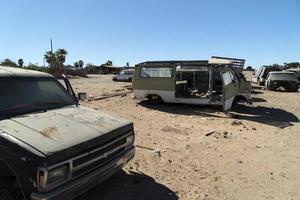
{"x":67,"y":130}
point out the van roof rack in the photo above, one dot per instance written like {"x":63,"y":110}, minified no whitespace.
{"x":235,"y":62}
{"x":176,"y":62}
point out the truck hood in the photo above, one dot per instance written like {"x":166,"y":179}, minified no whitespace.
{"x":69,"y":130}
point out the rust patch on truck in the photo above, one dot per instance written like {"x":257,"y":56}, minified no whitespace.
{"x":50,"y":132}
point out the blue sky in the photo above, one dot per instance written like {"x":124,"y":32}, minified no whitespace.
{"x":261,"y":31}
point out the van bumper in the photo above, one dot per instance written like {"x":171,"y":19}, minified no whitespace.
{"x":83,"y":184}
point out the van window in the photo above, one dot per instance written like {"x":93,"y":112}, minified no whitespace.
{"x":157,"y":72}
{"x":228,"y":77}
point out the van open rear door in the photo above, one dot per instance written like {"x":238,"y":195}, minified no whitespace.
{"x":230,"y":88}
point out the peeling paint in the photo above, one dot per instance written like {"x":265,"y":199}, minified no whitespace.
{"x":50,"y":132}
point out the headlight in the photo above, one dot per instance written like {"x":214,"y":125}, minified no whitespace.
{"x":58,"y":174}
{"x":49,"y":178}
{"x":129,"y":140}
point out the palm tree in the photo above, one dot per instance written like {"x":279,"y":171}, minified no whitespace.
{"x":50,"y":58}
{"x":56,"y":60}
{"x":109,"y":63}
{"x":76,"y":64}
{"x":61,"y":56}
{"x":20,"y":62}
{"x":81,"y":63}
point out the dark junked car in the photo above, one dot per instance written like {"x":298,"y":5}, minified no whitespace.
{"x":285,"y":79}
{"x":296,"y":71}
{"x":50,"y":147}
{"x":124,"y":75}
{"x":262,"y":73}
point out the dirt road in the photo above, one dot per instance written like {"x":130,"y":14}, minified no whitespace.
{"x":201,"y":152}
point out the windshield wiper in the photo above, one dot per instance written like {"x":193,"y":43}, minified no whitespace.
{"x":49,"y":104}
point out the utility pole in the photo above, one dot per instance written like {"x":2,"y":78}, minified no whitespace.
{"x":51,"y":45}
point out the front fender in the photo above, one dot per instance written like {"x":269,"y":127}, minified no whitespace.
{"x":19,"y":158}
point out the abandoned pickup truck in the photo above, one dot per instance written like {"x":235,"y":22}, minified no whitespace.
{"x":50,"y":147}
{"x":213,"y":82}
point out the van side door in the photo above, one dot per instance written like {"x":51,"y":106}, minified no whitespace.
{"x":230,"y":88}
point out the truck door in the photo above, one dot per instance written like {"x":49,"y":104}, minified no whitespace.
{"x":230,"y":88}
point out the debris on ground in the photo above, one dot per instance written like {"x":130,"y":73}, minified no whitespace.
{"x":157,"y":152}
{"x":217,"y":135}
{"x":232,"y":115}
{"x":209,"y":133}
{"x":170,"y":129}
{"x":227,"y":134}
{"x":128,"y":87}
{"x":236,"y":123}
{"x":106,"y":96}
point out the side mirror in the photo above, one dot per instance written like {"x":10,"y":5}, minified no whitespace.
{"x":82,"y":96}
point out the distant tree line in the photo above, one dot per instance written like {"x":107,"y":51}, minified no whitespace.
{"x":286,"y":65}
{"x":56,"y":64}
{"x":20,"y":63}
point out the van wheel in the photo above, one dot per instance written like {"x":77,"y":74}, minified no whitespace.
{"x":130,"y":79}
{"x":154,"y":99}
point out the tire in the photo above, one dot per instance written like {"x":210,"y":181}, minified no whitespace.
{"x":9,"y":190}
{"x":272,"y":86}
{"x":130,"y":80}
{"x":293,"y":87}
{"x":154,"y":99}
{"x":5,"y":194}
{"x":260,"y":83}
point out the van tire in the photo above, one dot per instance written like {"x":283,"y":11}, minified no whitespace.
{"x":130,"y":80}
{"x":154,"y":99}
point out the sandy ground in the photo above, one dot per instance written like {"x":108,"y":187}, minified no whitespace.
{"x":253,"y":153}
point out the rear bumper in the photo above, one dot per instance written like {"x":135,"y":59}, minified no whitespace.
{"x":87,"y":182}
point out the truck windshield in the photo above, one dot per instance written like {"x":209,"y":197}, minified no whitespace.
{"x":20,"y":95}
